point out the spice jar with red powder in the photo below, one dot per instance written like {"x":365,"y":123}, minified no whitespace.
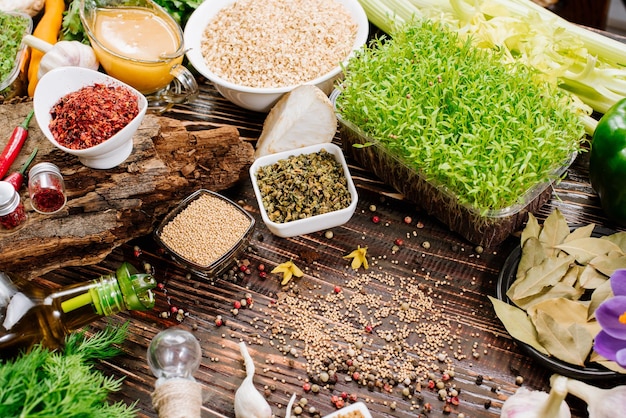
{"x":46,"y":188}
{"x":12,"y":213}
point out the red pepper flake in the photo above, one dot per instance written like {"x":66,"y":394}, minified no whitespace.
{"x":48,"y":199}
{"x":91,"y":115}
{"x":15,"y":218}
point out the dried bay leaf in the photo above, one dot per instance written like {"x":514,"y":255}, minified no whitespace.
{"x":533,"y":254}
{"x":599,"y":295}
{"x":565,"y":312}
{"x":591,"y":278}
{"x":619,"y":238}
{"x":586,"y":249}
{"x":555,"y":230}
{"x":611,"y":365}
{"x":582,"y":232}
{"x":517,"y":324}
{"x":560,"y":290}
{"x":531,"y":230}
{"x":571,"y":344}
{"x":538,"y":277}
{"x":607,"y":264}
{"x":571,"y":278}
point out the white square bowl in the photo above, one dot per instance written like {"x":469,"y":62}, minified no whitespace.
{"x":351,"y":409}
{"x":313,"y":223}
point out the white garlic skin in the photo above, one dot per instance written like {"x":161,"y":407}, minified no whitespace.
{"x":249,"y":403}
{"x":68,"y":54}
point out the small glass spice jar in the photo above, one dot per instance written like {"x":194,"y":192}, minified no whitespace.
{"x":46,"y":188}
{"x":12,"y":213}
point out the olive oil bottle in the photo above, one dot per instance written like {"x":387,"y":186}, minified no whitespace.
{"x":31,"y":315}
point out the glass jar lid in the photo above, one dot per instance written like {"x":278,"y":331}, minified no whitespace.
{"x":9,"y":198}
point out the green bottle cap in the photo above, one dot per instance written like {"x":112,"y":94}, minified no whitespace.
{"x":136,"y":287}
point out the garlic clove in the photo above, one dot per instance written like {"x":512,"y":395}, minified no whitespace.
{"x":249,"y":403}
{"x":538,"y":404}
{"x":601,"y":403}
{"x":290,"y":405}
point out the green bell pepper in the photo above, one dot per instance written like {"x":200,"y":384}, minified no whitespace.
{"x":607,"y":162}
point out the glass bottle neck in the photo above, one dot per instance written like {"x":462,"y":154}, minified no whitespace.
{"x":104,"y":295}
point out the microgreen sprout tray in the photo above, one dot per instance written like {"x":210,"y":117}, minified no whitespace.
{"x":486,"y":229}
{"x":14,"y":82}
{"x":213,"y":269}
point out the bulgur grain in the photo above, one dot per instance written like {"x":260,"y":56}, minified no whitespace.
{"x":205,"y":230}
{"x":275,"y":43}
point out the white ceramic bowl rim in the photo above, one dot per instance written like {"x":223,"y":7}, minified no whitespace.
{"x":197,"y":60}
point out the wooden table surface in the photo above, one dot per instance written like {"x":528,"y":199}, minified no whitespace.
{"x":448,"y":276}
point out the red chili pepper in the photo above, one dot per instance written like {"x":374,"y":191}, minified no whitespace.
{"x":14,"y":146}
{"x":17,"y":178}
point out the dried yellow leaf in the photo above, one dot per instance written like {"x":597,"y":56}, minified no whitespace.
{"x":289,"y":269}
{"x":359,"y":258}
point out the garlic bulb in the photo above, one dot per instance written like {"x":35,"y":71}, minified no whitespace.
{"x":601,"y":403}
{"x":249,"y":403}
{"x":62,"y":54}
{"x":537,"y":404}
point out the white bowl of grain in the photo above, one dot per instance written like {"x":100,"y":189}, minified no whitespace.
{"x":205,"y":233}
{"x":254,"y":51}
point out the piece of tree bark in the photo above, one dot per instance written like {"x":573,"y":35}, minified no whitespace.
{"x":107,"y":208}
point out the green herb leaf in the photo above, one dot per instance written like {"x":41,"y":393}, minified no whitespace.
{"x":43,"y":383}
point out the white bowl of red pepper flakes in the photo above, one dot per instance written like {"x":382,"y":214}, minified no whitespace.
{"x":304,"y":190}
{"x":89,"y":114}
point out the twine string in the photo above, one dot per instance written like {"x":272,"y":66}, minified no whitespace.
{"x":178,"y":398}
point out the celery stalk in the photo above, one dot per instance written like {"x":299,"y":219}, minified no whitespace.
{"x":561,"y":51}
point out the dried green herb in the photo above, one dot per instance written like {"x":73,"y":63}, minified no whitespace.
{"x":302,"y":186}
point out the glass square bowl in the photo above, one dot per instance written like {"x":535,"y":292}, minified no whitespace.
{"x":232,"y":229}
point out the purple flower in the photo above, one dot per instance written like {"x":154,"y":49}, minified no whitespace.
{"x":611,"y":315}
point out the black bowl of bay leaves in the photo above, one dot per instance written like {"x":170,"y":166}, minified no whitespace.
{"x":576,"y":359}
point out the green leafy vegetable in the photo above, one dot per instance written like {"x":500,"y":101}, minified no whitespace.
{"x":581,"y":61}
{"x":72,"y":27}
{"x":486,"y":131}
{"x":13,"y":29}
{"x":180,"y":10}
{"x":44,"y":383}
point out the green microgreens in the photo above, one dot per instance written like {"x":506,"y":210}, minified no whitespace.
{"x":13,"y":29}
{"x":486,"y":131}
